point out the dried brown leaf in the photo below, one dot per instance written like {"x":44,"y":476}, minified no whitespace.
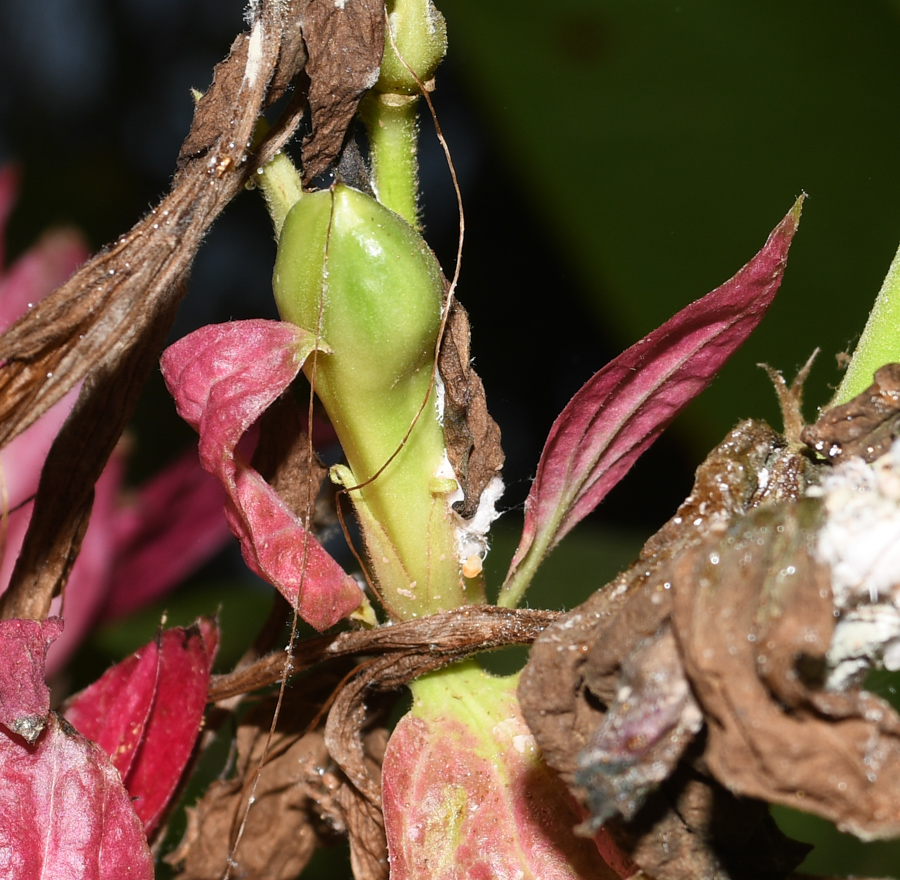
{"x":294,"y":800}
{"x":438,"y":640}
{"x":76,"y":459}
{"x":614,"y":655}
{"x":364,"y":819}
{"x":693,"y":827}
{"x":865,"y":426}
{"x":345,"y":42}
{"x":471,"y":435}
{"x":754,"y":616}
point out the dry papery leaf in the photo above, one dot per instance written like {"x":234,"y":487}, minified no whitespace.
{"x":865,"y":426}
{"x":301,"y":798}
{"x":689,"y":693}
{"x":607,"y":697}
{"x":471,"y":435}
{"x":106,"y":325}
{"x":294,"y":803}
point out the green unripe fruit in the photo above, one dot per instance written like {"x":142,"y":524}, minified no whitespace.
{"x":367,"y":284}
{"x":365,"y":280}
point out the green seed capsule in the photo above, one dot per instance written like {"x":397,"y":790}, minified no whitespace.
{"x":366,"y":282}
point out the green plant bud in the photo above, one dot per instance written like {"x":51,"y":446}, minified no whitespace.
{"x":367,"y":284}
{"x":420,"y":34}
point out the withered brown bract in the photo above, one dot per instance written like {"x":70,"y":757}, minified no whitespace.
{"x":619,"y":654}
{"x":689,"y":693}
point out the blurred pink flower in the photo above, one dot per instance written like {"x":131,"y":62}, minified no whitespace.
{"x":135,"y":549}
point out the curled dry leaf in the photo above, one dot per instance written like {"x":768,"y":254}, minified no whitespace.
{"x":865,"y":426}
{"x":64,"y":813}
{"x":299,"y":794}
{"x":24,"y":695}
{"x":223,"y":377}
{"x":471,"y":435}
{"x":605,"y":689}
{"x":293,"y":808}
{"x":436,"y":640}
{"x":754,"y":615}
{"x":345,"y":42}
{"x":621,"y":411}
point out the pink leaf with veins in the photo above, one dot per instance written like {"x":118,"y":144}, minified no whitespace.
{"x":223,"y":377}
{"x":24,"y":696}
{"x":146,"y":713}
{"x":466,"y":796}
{"x":624,"y":407}
{"x":64,"y":814}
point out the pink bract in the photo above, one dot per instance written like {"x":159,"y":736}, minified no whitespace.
{"x":64,"y":813}
{"x":223,"y":377}
{"x":24,"y":695}
{"x":624,"y":407}
{"x":146,"y":713}
{"x":466,"y":795}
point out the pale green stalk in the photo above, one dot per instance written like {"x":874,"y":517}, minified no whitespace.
{"x":880,"y":340}
{"x":392,"y":124}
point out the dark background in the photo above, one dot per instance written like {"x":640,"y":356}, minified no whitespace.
{"x":617,"y":160}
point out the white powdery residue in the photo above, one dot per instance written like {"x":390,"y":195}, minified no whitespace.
{"x":860,"y":540}
{"x":445,"y":472}
{"x":861,"y":638}
{"x":254,"y":56}
{"x":340,"y":4}
{"x":471,"y":534}
{"x":860,"y":543}
{"x":251,"y":13}
{"x":440,"y":398}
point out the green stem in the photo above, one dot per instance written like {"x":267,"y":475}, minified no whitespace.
{"x":392,"y":124}
{"x":513,"y":590}
{"x":281,"y":187}
{"x":880,"y":340}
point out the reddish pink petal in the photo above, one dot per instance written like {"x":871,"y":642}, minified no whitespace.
{"x":624,"y":407}
{"x":64,"y":814}
{"x":223,"y":377}
{"x":465,"y":794}
{"x":40,"y":271}
{"x":114,"y":710}
{"x":21,"y":461}
{"x":146,"y":713}
{"x":174,"y":525}
{"x":24,"y":696}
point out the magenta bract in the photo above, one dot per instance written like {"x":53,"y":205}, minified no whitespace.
{"x":223,"y":377}
{"x":64,"y":813}
{"x":624,"y":407}
{"x":146,"y":713}
{"x":171,"y":525}
{"x":24,"y":696}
